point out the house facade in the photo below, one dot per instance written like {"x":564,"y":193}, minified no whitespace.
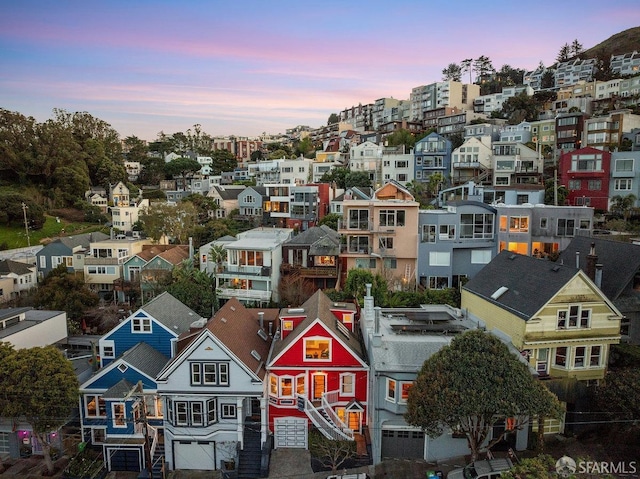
{"x":455,"y":243}
{"x":214,"y":392}
{"x":625,"y":175}
{"x":23,"y":276}
{"x":68,"y":250}
{"x":586,"y":174}
{"x":432,"y":154}
{"x":251,"y":271}
{"x":317,"y":374}
{"x":381,"y":234}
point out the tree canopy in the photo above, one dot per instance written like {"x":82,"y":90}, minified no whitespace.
{"x":194,"y":288}
{"x":473,"y":383}
{"x":38,"y":385}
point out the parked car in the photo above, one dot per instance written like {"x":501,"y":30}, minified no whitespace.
{"x":489,"y":469}
{"x":362,"y":475}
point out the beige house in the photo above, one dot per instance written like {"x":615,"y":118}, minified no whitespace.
{"x":381,"y":235}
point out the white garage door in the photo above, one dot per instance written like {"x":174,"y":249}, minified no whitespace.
{"x":290,"y":432}
{"x":193,"y":455}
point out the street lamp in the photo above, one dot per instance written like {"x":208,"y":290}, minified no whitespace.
{"x":26,"y":224}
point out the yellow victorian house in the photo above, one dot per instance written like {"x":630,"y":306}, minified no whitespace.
{"x":554,"y":314}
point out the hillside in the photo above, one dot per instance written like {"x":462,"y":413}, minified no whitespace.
{"x":623,"y":42}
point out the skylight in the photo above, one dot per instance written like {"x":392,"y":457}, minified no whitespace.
{"x":499,"y":292}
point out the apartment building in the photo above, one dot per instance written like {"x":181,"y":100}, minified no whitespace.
{"x":446,"y":94}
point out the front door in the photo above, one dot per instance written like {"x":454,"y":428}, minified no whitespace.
{"x":319,"y":383}
{"x":354,"y":421}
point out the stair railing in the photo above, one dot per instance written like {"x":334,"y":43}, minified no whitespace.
{"x":327,"y":428}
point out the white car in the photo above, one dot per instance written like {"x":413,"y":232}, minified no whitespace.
{"x":361,"y":475}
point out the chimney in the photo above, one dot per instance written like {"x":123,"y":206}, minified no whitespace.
{"x":592,"y":258}
{"x":578,"y":259}
{"x":376,"y":341}
{"x":368,"y":304}
{"x":261,"y":318}
{"x":598,"y":278}
{"x":270,"y":328}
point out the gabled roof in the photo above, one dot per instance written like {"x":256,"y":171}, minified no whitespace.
{"x":170,"y":312}
{"x":313,"y":235}
{"x":119,"y":390}
{"x":261,"y":190}
{"x":237,"y":328}
{"x":530,"y":282}
{"x":8,"y":267}
{"x":318,"y":307}
{"x":82,"y":239}
{"x":151,"y":251}
{"x":145,"y":359}
{"x":620,"y":261}
{"x":228,"y":192}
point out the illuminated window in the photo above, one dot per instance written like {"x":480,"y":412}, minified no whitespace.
{"x":91,"y":401}
{"x":300,"y":385}
{"x":286,"y":386}
{"x":273,"y":385}
{"x":317,"y":349}
{"x":391,"y":390}
{"x":518,"y":224}
{"x":117,"y":415}
{"x":404,"y":391}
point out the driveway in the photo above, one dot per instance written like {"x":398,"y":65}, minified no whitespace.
{"x":290,"y":463}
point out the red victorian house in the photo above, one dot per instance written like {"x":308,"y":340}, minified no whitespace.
{"x":585,"y":173}
{"x":317,"y":374}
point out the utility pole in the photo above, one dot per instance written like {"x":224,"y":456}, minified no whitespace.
{"x":26,"y":224}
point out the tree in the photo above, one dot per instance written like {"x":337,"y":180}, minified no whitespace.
{"x":484,"y":69}
{"x":294,"y":290}
{"x":401,"y":137}
{"x":333,"y":118}
{"x":576,"y":48}
{"x":519,"y":108}
{"x":182,"y":167}
{"x":356,"y":282}
{"x":64,"y":291}
{"x":472,"y":384}
{"x":436,"y":181}
{"x":331,"y":453}
{"x":548,"y":79}
{"x":622,"y":205}
{"x":550,"y":193}
{"x":419,"y":191}
{"x":338,"y":174}
{"x":539,"y":467}
{"x":194,"y":288}
{"x":331,"y":220}
{"x":564,"y":54}
{"x":38,"y":385}
{"x":305,"y":147}
{"x":619,"y":394}
{"x":467,"y":66}
{"x":223,"y":160}
{"x":357,"y":178}
{"x":453,"y":72}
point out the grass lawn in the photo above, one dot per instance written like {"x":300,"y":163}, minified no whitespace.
{"x":15,"y":237}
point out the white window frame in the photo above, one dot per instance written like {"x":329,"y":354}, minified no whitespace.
{"x":114,"y":420}
{"x":599,"y":356}
{"x":280,"y":388}
{"x":141,"y":325}
{"x":480,"y":256}
{"x":344,"y":384}
{"x":212,"y":411}
{"x":87,"y":400}
{"x":317,"y":338}
{"x":106,"y":346}
{"x":94,"y":440}
{"x":387,"y":396}
{"x":566,"y":357}
{"x":177,"y":407}
{"x":228,"y":411}
{"x":439,"y":258}
{"x":193,"y":413}
{"x":404,"y":384}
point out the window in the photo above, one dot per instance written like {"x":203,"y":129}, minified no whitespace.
{"x":518,"y":224}
{"x":542,"y":360}
{"x":575,"y":185}
{"x":273,"y":385}
{"x":561,"y":357}
{"x":91,"y":400}
{"x":623,"y":184}
{"x":574,"y":317}
{"x":287,"y":325}
{"x":595,"y":185}
{"x":543,"y":223}
{"x":108,"y":349}
{"x":438,"y":282}
{"x":300,"y":385}
{"x":182,"y":415}
{"x":358,"y":244}
{"x":286,"y":386}
{"x":439,"y":258}
{"x":386,"y":242}
{"x":578,"y":359}
{"x":391,"y":390}
{"x":118,"y":415}
{"x":391,"y":263}
{"x":392,"y":217}
{"x":624,"y":165}
{"x":447,"y":232}
{"x":480,"y":256}
{"x":347,"y":384}
{"x":566,"y":227}
{"x":210,"y":374}
{"x":404,"y":391}
{"x":317,"y":349}
{"x":594,"y":357}
{"x":228,"y":411}
{"x":522,"y":199}
{"x":140,"y":325}
{"x":476,"y":226}
{"x":428,"y":233}
{"x":358,"y":219}
{"x":197,"y":418}
{"x":211,"y":411}
{"x":98,"y":435}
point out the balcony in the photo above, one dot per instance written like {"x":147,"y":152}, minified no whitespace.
{"x":364,"y":250}
{"x":353,"y":225}
{"x":244,"y":294}
{"x":234,"y":271}
{"x":310,"y":272}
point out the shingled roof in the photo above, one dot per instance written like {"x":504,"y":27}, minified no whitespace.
{"x":620,"y":261}
{"x":145,"y":359}
{"x":7,"y":267}
{"x":319,"y":307}
{"x":171,"y":312}
{"x":237,"y":328}
{"x":530,"y":282}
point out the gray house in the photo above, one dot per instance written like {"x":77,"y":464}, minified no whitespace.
{"x":68,"y":250}
{"x":455,"y":243}
{"x":398,"y":341}
{"x":625,"y":175}
{"x":250,"y":203}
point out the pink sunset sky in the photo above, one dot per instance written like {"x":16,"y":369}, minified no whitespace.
{"x":248,"y":67}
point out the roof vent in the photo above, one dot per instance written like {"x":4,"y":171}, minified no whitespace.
{"x":262,"y":334}
{"x":223,"y":319}
{"x":342,"y":328}
{"x":256,"y":355}
{"x":512,"y":257}
{"x":555,"y":269}
{"x":295,"y":310}
{"x":232,"y":308}
{"x":499,"y":292}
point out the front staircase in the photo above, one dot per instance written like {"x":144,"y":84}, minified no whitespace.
{"x":326,"y":421}
{"x":158,"y":459}
{"x":251,"y":454}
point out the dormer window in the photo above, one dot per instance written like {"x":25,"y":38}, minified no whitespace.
{"x":141,"y":325}
{"x":317,"y":349}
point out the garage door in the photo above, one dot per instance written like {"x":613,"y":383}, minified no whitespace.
{"x":196,"y":455}
{"x":402,"y":444}
{"x":290,"y":432}
{"x":124,"y":459}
